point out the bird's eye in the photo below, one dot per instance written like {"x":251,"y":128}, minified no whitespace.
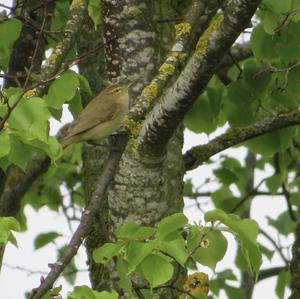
{"x":117,"y":89}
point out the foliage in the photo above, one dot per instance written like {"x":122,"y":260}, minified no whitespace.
{"x":151,"y":253}
{"x":148,"y":259}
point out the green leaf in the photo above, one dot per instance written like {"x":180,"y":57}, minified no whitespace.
{"x":84,"y":292}
{"x":62,"y":90}
{"x":9,"y":33}
{"x":247,"y":230}
{"x":106,"y":252}
{"x":263,"y":44}
{"x":256,"y":78}
{"x":137,"y":251}
{"x":125,"y":281}
{"x":20,"y":153}
{"x":30,"y":120}
{"x":84,"y":84}
{"x":278,"y":6}
{"x":269,"y":144}
{"x":283,"y":281}
{"x":215,"y":285}
{"x":283,"y":223}
{"x":53,"y":149}
{"x":4,"y":163}
{"x":226,"y":176}
{"x":75,"y":105}
{"x":94,"y":9}
{"x":4,"y":144}
{"x":174,"y":245}
{"x":215,"y":96}
{"x":270,"y":21}
{"x":7,"y":224}
{"x":61,"y":15}
{"x":213,"y":249}
{"x":53,"y":292}
{"x":224,"y":199}
{"x":273,"y":183}
{"x":240,"y":104}
{"x":81,"y":292}
{"x":266,"y":252}
{"x":241,"y":261}
{"x":188,"y":188}
{"x":288,"y":40}
{"x":171,"y":224}
{"x":132,"y":231}
{"x":45,"y":238}
{"x":156,"y":270}
{"x":201,"y":119}
{"x":233,"y":292}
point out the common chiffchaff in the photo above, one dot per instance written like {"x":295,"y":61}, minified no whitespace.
{"x":102,"y":116}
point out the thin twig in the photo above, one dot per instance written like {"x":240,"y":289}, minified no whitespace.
{"x":278,"y":249}
{"x":37,"y":45}
{"x":6,"y":6}
{"x":287,"y":19}
{"x":247,"y":196}
{"x":29,"y":271}
{"x":67,"y":66}
{"x":84,"y":226}
{"x":286,"y":192}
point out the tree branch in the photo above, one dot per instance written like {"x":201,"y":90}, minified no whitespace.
{"x":85,"y":223}
{"x":295,"y":264}
{"x":234,"y":136}
{"x":78,"y":12}
{"x":12,"y":196}
{"x":179,"y":98}
{"x":192,"y":26}
{"x":278,"y":249}
{"x":267,"y":273}
{"x":237,"y":53}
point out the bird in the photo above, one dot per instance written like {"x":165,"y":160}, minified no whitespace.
{"x":103,"y":115}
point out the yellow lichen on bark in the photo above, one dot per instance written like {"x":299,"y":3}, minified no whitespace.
{"x":166,"y":70}
{"x":135,"y":11}
{"x":182,"y":29}
{"x":132,"y":126}
{"x":150,"y":92}
{"x":202,"y":45}
{"x":76,"y":4}
{"x":30,"y":93}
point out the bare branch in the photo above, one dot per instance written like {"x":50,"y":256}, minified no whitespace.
{"x":78,"y":12}
{"x":267,"y":273}
{"x":85,"y":223}
{"x":196,"y":20}
{"x":278,"y":249}
{"x":234,"y":136}
{"x":179,"y":98}
{"x":286,"y":192}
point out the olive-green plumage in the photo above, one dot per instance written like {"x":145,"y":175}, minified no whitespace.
{"x":102,"y":116}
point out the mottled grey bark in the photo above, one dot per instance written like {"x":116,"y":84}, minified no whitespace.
{"x":143,"y":190}
{"x":295,"y":264}
{"x":94,"y":158}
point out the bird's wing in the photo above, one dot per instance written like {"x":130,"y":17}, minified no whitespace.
{"x":93,"y":115}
